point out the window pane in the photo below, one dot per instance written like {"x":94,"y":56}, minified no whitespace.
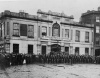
{"x":55,"y":32}
{"x":15,"y":26}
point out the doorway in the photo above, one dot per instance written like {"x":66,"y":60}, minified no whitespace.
{"x":15,"y":48}
{"x":55,"y":48}
{"x":43,"y":49}
{"x":97,"y":52}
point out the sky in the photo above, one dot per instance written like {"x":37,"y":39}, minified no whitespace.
{"x":69,"y":7}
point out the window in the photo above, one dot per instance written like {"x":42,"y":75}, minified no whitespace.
{"x":30,"y":49}
{"x":67,"y":33}
{"x":71,"y":34}
{"x":97,"y":41}
{"x":86,"y":36}
{"x":97,"y":19}
{"x":43,"y":49}
{"x":62,"y":32}
{"x":44,"y":31}
{"x":76,"y":50}
{"x":92,"y":37}
{"x":0,"y":30}
{"x":7,"y":28}
{"x":56,"y":30}
{"x":77,"y":36}
{"x":49,"y":31}
{"x":15,"y":48}
{"x":38,"y":31}
{"x":23,"y":29}
{"x":97,"y":29}
{"x":16,"y":29}
{"x":86,"y":51}
{"x":7,"y":48}
{"x":30,"y":31}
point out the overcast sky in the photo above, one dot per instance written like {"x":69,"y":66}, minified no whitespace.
{"x":69,"y":7}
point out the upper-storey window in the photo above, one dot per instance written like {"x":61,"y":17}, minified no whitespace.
{"x":38,"y":31}
{"x":15,"y":29}
{"x":49,"y":31}
{"x":23,"y":29}
{"x":8,"y":28}
{"x":97,"y":29}
{"x":86,"y":36}
{"x":56,"y":30}
{"x":30,"y":31}
{"x":67,"y":33}
{"x":62,"y":32}
{"x":97,"y":19}
{"x":44,"y":31}
{"x":77,"y":38}
{"x":97,"y":42}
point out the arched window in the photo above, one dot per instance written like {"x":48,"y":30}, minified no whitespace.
{"x":56,"y":30}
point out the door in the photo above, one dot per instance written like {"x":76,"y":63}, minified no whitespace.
{"x":67,"y":50}
{"x":97,"y":52}
{"x":30,"y":49}
{"x":43,"y":49}
{"x":15,"y":48}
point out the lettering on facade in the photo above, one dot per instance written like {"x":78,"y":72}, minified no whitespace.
{"x":55,"y":17}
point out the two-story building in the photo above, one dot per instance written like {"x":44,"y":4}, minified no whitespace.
{"x":45,"y":32}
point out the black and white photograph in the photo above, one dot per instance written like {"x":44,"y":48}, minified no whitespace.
{"x":49,"y":38}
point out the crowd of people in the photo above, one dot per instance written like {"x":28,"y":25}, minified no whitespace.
{"x":10,"y":59}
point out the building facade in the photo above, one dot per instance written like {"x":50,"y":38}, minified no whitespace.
{"x":93,"y":18}
{"x":45,"y":32}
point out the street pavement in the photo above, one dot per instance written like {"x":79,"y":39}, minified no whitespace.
{"x":52,"y":71}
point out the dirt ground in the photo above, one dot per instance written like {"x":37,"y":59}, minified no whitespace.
{"x":52,"y":71}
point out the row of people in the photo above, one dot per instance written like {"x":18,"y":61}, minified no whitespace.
{"x":19,"y":59}
{"x":66,"y":59}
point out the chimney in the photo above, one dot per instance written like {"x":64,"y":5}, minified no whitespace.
{"x":98,"y":8}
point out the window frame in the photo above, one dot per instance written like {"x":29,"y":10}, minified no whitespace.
{"x":16,"y":29}
{"x":77,"y":36}
{"x":97,"y":29}
{"x":66,"y":33}
{"x":86,"y":53}
{"x":77,"y":52}
{"x":97,"y":19}
{"x":87,"y":36}
{"x":42,"y":31}
{"x":31,"y":31}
